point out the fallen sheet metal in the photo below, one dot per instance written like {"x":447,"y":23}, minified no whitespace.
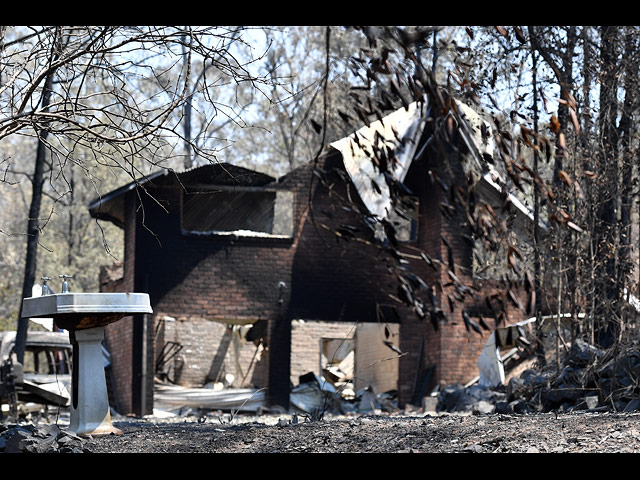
{"x":313,"y":394}
{"x":308,"y":398}
{"x":173,"y":398}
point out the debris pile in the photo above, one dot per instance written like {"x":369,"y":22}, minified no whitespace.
{"x":316,"y":396}
{"x":45,"y":438}
{"x":476,"y":399}
{"x":588,"y":379}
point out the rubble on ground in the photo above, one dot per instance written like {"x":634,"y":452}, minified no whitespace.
{"x":316,"y":396}
{"x":43,"y":438}
{"x":313,"y":397}
{"x":588,"y":379}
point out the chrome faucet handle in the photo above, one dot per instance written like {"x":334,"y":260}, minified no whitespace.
{"x":65,"y":283}
{"x":45,"y":287}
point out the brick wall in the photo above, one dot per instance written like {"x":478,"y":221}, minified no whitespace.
{"x":459,"y":348}
{"x":451,"y":350}
{"x":338,"y":278}
{"x":419,"y":341}
{"x":206,"y":282}
{"x":199,"y":275}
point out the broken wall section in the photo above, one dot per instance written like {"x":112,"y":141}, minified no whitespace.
{"x":346,"y":352}
{"x":199,"y":351}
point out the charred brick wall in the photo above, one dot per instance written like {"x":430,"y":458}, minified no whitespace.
{"x":203,"y":279}
{"x":338,"y":273}
{"x":206,"y":282}
{"x":449,"y":352}
{"x":420,"y":338}
{"x":459,"y":347}
{"x":218,"y":277}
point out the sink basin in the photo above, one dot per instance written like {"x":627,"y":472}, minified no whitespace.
{"x":78,"y":311}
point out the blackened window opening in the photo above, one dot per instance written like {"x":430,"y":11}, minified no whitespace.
{"x":240,"y":211}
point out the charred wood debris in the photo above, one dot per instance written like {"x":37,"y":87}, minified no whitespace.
{"x":41,"y":438}
{"x":589,"y":379}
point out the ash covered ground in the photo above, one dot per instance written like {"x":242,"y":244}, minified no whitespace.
{"x":577,"y":432}
{"x":431,"y":433}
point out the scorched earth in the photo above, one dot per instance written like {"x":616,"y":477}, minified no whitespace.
{"x":424,"y":433}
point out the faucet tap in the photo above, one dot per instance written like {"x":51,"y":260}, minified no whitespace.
{"x":65,"y":283}
{"x":45,"y":288}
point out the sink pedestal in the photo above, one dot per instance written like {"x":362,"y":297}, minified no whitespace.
{"x":85,"y":315}
{"x":90,"y":414}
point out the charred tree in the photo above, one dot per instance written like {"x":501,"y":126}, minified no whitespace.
{"x":605,"y":232}
{"x":627,"y":150}
{"x":33,"y":224}
{"x":537,"y":260}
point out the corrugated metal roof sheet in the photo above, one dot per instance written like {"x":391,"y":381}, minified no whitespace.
{"x":399,"y":133}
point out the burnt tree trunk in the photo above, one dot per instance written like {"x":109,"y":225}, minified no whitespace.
{"x":33,"y":226}
{"x":605,"y":238}
{"x":537,"y":265}
{"x":560,"y":269}
{"x":627,"y":130}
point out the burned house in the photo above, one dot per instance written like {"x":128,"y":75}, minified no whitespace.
{"x":256,"y":280}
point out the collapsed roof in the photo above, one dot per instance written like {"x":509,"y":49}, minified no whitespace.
{"x":400,"y":133}
{"x":396,"y":135}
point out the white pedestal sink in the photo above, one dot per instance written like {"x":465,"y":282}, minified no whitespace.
{"x":85,"y":315}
